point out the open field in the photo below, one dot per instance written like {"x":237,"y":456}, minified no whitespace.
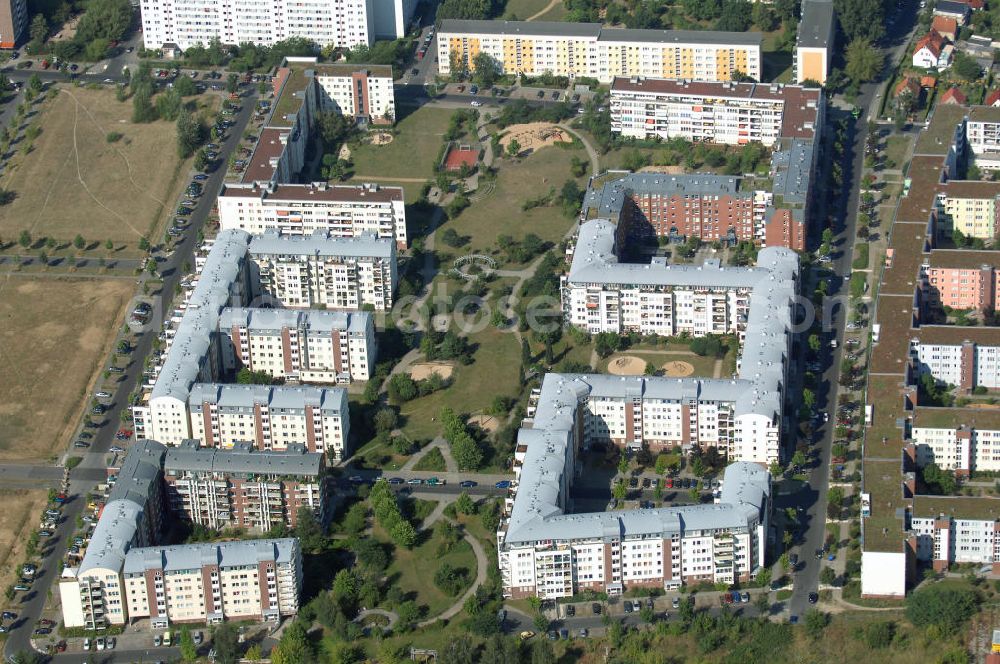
{"x":895,"y":149}
{"x":500,"y":212}
{"x":412,"y":152}
{"x":75,"y":182}
{"x":524,"y":9}
{"x":17,"y":521}
{"x":54,"y":336}
{"x":703,"y":366}
{"x":494,"y":372}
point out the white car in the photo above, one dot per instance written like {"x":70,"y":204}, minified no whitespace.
{"x":86,"y":644}
{"x":103,"y":395}
{"x":100,"y":643}
{"x":476,"y":103}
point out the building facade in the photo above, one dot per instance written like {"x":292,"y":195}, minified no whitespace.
{"x":952,"y":279}
{"x":982,"y":132}
{"x":301,"y":346}
{"x":213,"y":582}
{"x":13,"y":22}
{"x":338,"y":23}
{"x":304,"y":209}
{"x":589,"y":50}
{"x":319,"y":270}
{"x":814,"y":41}
{"x":364,"y":93}
{"x":269,"y":417}
{"x":242,"y":488}
{"x":970,"y":207}
{"x":963,"y":363}
{"x":725,"y":113}
{"x":957,"y":439}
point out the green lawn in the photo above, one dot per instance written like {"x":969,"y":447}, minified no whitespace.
{"x":494,"y":372}
{"x":500,"y":212}
{"x":412,"y":571}
{"x":432,"y":461}
{"x":895,"y":149}
{"x":523,"y":9}
{"x":417,"y":142}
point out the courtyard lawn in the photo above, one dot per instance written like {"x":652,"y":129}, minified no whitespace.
{"x":411,"y":154}
{"x":500,"y":212}
{"x":493,"y":373}
{"x":412,"y":571}
{"x":895,"y":149}
{"x":74,"y":181}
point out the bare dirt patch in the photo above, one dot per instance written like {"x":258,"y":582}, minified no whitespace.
{"x":534,"y":136}
{"x":55,"y":335}
{"x":487,"y":423}
{"x":422,"y":370}
{"x":678,"y":369}
{"x":381,"y":138}
{"x":74,"y":181}
{"x":671,"y":170}
{"x":627,"y":365}
{"x":19,"y":516}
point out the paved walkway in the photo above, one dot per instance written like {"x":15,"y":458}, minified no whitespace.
{"x":391,"y":616}
{"x":438,"y":443}
{"x":481,"y":565}
{"x":549,"y":7}
{"x":595,"y":159}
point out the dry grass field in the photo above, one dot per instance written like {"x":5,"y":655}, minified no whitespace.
{"x":20,"y":516}
{"x":54,"y":335}
{"x":74,"y":181}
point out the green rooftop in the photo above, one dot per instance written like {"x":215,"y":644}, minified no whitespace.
{"x":961,"y":507}
{"x":952,"y":418}
{"x":289,"y":102}
{"x":936,"y":139}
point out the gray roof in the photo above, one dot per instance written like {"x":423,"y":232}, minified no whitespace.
{"x":192,"y":339}
{"x":321,"y":243}
{"x":310,"y":320}
{"x":596,"y":32}
{"x":816,"y":24}
{"x":609,"y":199}
{"x":791,"y":167}
{"x":951,"y":7}
{"x":125,"y":510}
{"x":224,"y":554}
{"x":235,"y":397}
{"x":189,"y":457}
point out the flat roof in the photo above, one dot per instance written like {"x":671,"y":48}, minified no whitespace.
{"x":291,"y":96}
{"x":244,"y":553}
{"x":983,"y":113}
{"x":985,"y":418}
{"x":313,"y":191}
{"x":962,"y":259}
{"x":235,"y":397}
{"x":979,"y":508}
{"x":311,"y":320}
{"x":595,"y":31}
{"x":382,"y":71}
{"x":321,"y":243}
{"x":937,"y":137}
{"x":191,"y":457}
{"x":956,"y":334}
{"x":816,"y":24}
{"x":971,"y":188}
{"x":269,"y":146}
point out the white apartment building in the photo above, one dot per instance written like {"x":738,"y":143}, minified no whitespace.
{"x":964,"y":363}
{"x":546,"y":552}
{"x":946,"y":530}
{"x":320,"y":270}
{"x":213,"y":582}
{"x":269,"y":417}
{"x":358,"y":91}
{"x":302,"y":346}
{"x":814,"y":41}
{"x":304,"y":209}
{"x":590,"y":50}
{"x":724,"y":112}
{"x":963,"y":440}
{"x":982,"y":132}
{"x":338,"y":23}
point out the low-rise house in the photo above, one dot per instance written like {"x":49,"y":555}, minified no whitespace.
{"x":954,"y":96}
{"x":946,"y":27}
{"x":930,"y":52}
{"x":953,"y":9}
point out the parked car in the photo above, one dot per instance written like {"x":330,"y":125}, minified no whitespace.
{"x":9,"y":615}
{"x":627,"y":605}
{"x":103,"y":395}
{"x":415,"y":480}
{"x":396,"y":480}
{"x":81,"y":443}
{"x":86,"y":644}
{"x":22,"y":587}
{"x":570,"y":610}
{"x":467,"y":484}
{"x":502,"y":484}
{"x":596,"y":608}
{"x":197,"y":638}
{"x":813,"y":598}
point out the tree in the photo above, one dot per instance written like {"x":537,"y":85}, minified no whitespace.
{"x":185,"y":86}
{"x":189,"y":651}
{"x":966,"y":67}
{"x":104,"y":19}
{"x":190,"y":134}
{"x":96,"y":49}
{"x":79,"y":242}
{"x":142,"y":106}
{"x":619,"y":490}
{"x":253,"y":653}
{"x":24,"y":239}
{"x":308,"y":530}
{"x":815,"y":622}
{"x":35,"y":83}
{"x":232,"y":83}
{"x":864,"y":61}
{"x":541,"y":653}
{"x":466,"y":452}
{"x":861,"y":19}
{"x":938,"y":481}
{"x":385,"y":420}
{"x":461,"y":649}
{"x":464,"y":504}
{"x":485,"y":69}
{"x":39,"y":29}
{"x":513,"y":148}
{"x":225,"y":642}
{"x":827,"y":577}
{"x":879,"y":634}
{"x":947,"y":607}
{"x":294,"y":646}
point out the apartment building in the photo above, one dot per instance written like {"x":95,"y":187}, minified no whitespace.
{"x":743,"y":416}
{"x":590,"y":50}
{"x":710,"y":207}
{"x":962,"y":440}
{"x":243,"y":488}
{"x":300,"y":346}
{"x":13,"y":21}
{"x":957,"y":357}
{"x":279,"y":155}
{"x":337,"y":23}
{"x":304,"y":209}
{"x":270,"y":417}
{"x":954,"y":279}
{"x":982,"y":132}
{"x":954,"y":530}
{"x":546,"y":551}
{"x":814,"y":41}
{"x":727,"y":113}
{"x":212,"y":582}
{"x":971,"y":207}
{"x":321,"y":270}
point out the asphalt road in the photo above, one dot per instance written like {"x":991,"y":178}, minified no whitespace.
{"x":813,"y":495}
{"x":93,"y":466}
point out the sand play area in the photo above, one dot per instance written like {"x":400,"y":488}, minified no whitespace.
{"x":381,"y":138}
{"x":677,"y":369}
{"x":422,"y":370}
{"x":670,"y":170}
{"x":487,"y":423}
{"x":534,"y":135}
{"x":627,"y":365}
